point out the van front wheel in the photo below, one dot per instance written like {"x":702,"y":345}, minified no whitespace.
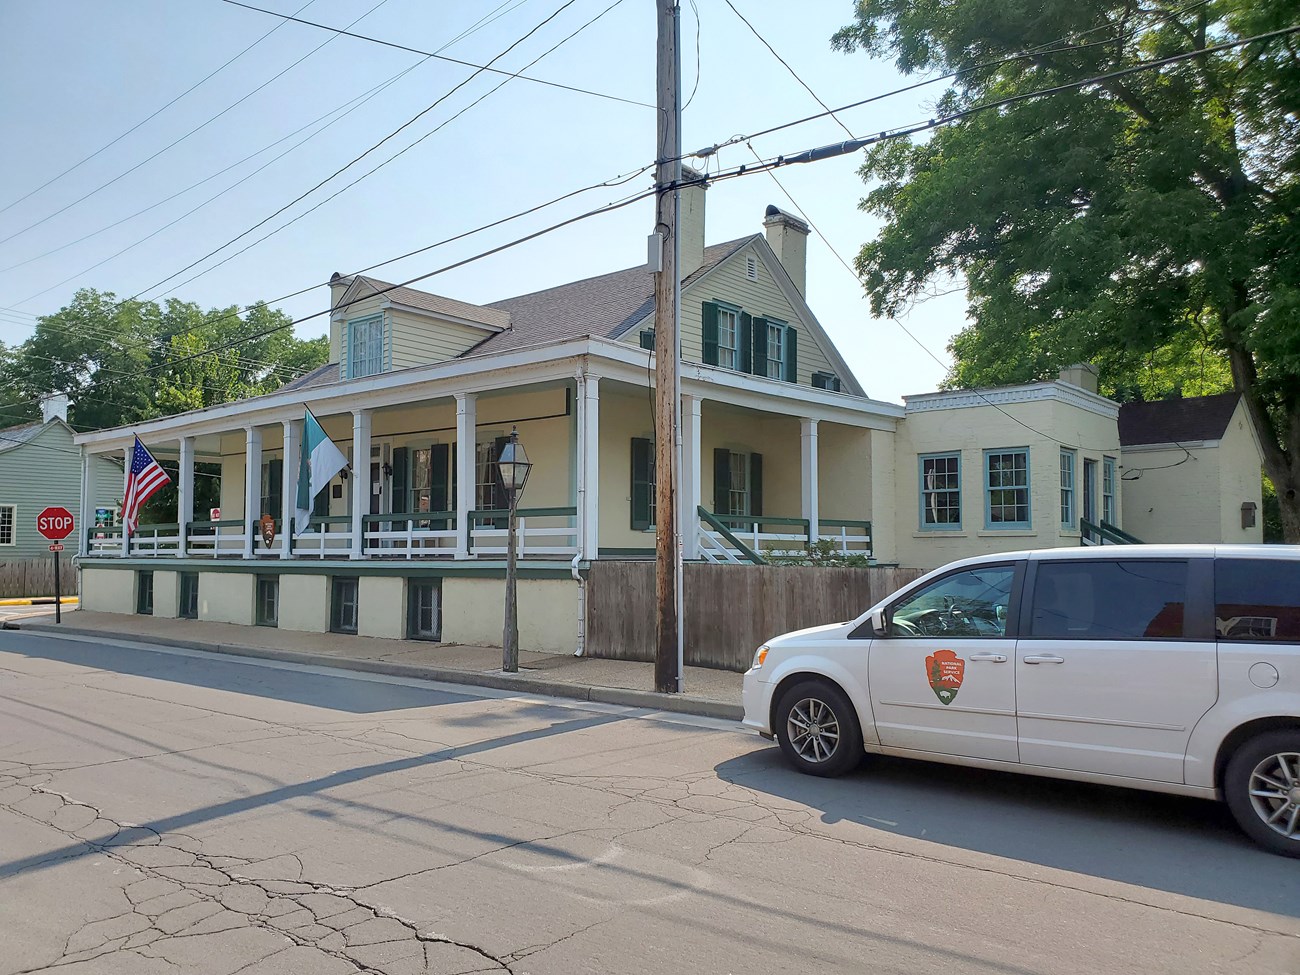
{"x":1262,"y":788}
{"x":818,"y":729}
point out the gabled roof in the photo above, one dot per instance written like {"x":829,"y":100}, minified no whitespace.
{"x":320,"y":376}
{"x":361,"y":286}
{"x":603,"y":307}
{"x":18,"y":435}
{"x":1176,"y":420}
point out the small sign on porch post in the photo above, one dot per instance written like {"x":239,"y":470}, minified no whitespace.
{"x":266,"y":525}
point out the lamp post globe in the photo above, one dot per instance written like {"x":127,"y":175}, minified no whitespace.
{"x":513,"y":467}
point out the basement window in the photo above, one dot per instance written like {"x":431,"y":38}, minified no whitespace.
{"x":424,"y":621}
{"x":343,"y":604}
{"x":189,"y":607}
{"x":144,"y":593}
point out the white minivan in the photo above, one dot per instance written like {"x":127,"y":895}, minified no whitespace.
{"x":1168,"y":668}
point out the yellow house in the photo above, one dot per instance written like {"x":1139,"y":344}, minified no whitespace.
{"x":778,"y":447}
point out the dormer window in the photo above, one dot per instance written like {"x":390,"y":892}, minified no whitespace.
{"x":366,"y":347}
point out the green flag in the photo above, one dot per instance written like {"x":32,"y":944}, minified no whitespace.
{"x":321,"y":460}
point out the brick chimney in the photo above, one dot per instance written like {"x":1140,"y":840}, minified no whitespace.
{"x":788,"y":236}
{"x":52,"y":405}
{"x":690,"y":223}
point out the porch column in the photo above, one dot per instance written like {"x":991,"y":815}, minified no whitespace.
{"x":289,"y":484}
{"x":361,"y":486}
{"x":808,"y":474}
{"x":185,"y":495}
{"x":127,"y":452}
{"x":252,"y":487}
{"x":692,"y":432}
{"x":89,"y":490}
{"x":588,"y":467}
{"x":466,"y":441}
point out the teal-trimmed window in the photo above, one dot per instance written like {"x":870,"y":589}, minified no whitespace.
{"x":343,"y":604}
{"x":1006,"y":489}
{"x":424,"y":609}
{"x":1108,"y":512}
{"x":940,"y":492}
{"x":1069,"y":461}
{"x":189,"y":604}
{"x":365,"y":347}
{"x":268,"y":601}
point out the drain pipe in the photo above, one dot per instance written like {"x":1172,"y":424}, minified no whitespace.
{"x":580,"y":478}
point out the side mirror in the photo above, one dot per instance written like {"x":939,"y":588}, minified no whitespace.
{"x":878,"y":624}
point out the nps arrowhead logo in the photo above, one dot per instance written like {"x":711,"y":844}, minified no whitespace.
{"x":946,"y":671}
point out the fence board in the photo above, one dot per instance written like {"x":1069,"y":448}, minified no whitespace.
{"x":729,"y":609}
{"x":21,"y":578}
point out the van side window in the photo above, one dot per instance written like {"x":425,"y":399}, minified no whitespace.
{"x":1124,"y":599}
{"x":969,"y":604}
{"x":1257,"y":600}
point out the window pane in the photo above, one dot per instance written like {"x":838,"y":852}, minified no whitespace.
{"x":1257,"y":600}
{"x":965,"y":604}
{"x":6,"y":524}
{"x":1108,"y":490}
{"x":728,"y":322}
{"x":1067,"y":488}
{"x":268,"y":601}
{"x":941,"y":490}
{"x":421,"y":473}
{"x":343,"y":609}
{"x":739,"y":490}
{"x":1007,"y":480}
{"x":425,"y":609}
{"x":1125,"y":599}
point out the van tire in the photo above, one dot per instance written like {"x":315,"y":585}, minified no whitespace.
{"x":834,"y":746}
{"x":1256,"y":757}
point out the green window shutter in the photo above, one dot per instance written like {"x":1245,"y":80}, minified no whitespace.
{"x":820,"y":380}
{"x":791,"y":354}
{"x":455,"y":500}
{"x":401,"y":479}
{"x":648,"y":338}
{"x":755,"y":484}
{"x":439,"y":462}
{"x":709,"y":326}
{"x":835,"y":384}
{"x":643,"y":485}
{"x":275,"y":487}
{"x":759,"y":330}
{"x":744,"y":343}
{"x":721,"y":481}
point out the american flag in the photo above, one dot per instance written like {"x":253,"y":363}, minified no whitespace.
{"x":144,"y":478}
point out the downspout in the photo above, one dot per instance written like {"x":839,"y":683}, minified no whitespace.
{"x":580,"y":480}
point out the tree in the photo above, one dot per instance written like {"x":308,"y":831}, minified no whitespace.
{"x":1136,"y":219}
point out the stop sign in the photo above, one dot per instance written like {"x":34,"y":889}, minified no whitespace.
{"x":55,"y":524}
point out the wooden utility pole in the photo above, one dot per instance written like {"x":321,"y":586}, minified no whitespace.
{"x":667,"y":178}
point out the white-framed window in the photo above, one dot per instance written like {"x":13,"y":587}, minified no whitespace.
{"x":366,"y":347}
{"x":1006,"y":489}
{"x":8,"y":516}
{"x":775,"y":350}
{"x":1068,"y":463}
{"x":940,"y":492}
{"x":738,"y":494}
{"x":1108,"y":490}
{"x":728,"y":333}
{"x":421,"y":480}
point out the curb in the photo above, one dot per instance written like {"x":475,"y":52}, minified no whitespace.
{"x":39,"y":601}
{"x":627,"y":697}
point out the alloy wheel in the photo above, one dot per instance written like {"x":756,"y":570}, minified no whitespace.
{"x":813,"y":730}
{"x":1275,"y":793}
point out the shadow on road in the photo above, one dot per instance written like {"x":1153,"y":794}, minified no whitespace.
{"x":232,"y":674}
{"x":1171,"y":843}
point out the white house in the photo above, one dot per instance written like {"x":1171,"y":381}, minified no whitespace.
{"x":782,"y":446}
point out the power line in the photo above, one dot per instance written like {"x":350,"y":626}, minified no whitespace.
{"x":206,"y":78}
{"x":437,"y":128}
{"x":204,"y":124}
{"x":465,"y":64}
{"x":409,"y":122}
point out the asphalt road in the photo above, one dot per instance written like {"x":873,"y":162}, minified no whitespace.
{"x":168,"y":812}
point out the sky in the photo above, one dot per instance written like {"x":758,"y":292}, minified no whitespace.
{"x":82,"y":79}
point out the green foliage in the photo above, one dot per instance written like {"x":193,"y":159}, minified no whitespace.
{"x":821,"y":553}
{"x":1146,"y":223}
{"x":123,"y":362}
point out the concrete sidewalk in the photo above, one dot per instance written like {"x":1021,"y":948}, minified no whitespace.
{"x":712,"y":693}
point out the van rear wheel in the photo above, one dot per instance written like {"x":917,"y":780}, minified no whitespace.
{"x":817,"y":727}
{"x":1262,"y":789}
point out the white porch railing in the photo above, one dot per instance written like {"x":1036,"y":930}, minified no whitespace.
{"x":538,"y":532}
{"x":429,"y":534}
{"x":327,"y":537}
{"x":734,"y":538}
{"x":211,"y":539}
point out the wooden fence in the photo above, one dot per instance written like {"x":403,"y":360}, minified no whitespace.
{"x":730,"y":609}
{"x":20,"y":578}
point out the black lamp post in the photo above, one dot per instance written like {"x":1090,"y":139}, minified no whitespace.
{"x":513,"y":465}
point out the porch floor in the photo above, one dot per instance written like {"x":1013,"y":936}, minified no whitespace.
{"x":717,"y":692}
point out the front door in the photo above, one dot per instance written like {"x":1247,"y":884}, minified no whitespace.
{"x":1112,"y":673}
{"x":943,"y":680}
{"x":1090,"y":490}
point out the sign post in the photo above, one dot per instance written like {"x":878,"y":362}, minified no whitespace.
{"x":56,"y":524}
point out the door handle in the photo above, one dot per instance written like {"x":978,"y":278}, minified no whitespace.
{"x":997,"y":658}
{"x":1043,"y":658}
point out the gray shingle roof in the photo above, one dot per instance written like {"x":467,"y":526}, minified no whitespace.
{"x":605,"y":306}
{"x":1176,"y":420}
{"x":320,"y":376}
{"x":18,"y":435}
{"x":437,"y":304}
